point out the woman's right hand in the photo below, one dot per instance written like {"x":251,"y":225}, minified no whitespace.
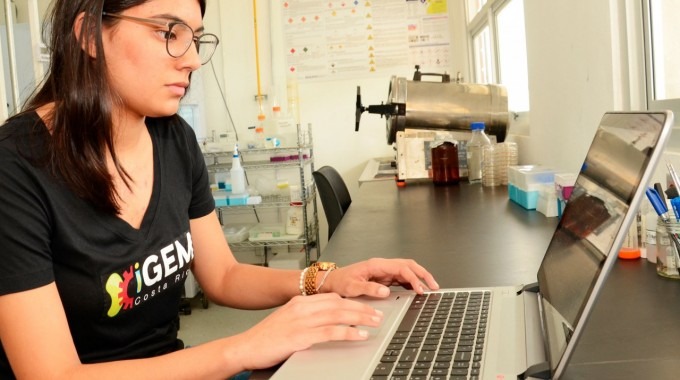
{"x":302,"y":322}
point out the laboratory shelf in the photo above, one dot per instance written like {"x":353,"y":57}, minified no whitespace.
{"x":258,"y":165}
{"x":267,"y":243}
{"x":229,"y":153}
{"x":270,"y":201}
{"x":300,"y":157}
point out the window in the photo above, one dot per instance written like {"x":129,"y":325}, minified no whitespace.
{"x":662,"y":54}
{"x":498,"y":43}
{"x":483,"y":67}
{"x":22,"y":67}
{"x":512,"y":52}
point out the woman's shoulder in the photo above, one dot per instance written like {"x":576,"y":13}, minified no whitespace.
{"x":23,"y":130}
{"x":23,"y":145}
{"x":20,"y":124}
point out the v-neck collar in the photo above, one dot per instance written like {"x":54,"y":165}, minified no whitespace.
{"x":142,"y":232}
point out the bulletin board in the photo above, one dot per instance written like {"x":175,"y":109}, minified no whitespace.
{"x":338,"y":39}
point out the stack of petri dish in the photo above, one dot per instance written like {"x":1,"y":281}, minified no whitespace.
{"x":495,"y":161}
{"x":510,"y":157}
{"x":490,"y":174}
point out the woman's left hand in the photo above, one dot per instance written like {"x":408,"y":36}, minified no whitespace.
{"x":373,"y":277}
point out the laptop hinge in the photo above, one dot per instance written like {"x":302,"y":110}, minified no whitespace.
{"x":533,"y":288}
{"x":538,"y":371}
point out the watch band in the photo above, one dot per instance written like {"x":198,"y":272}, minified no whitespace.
{"x":309,"y":274}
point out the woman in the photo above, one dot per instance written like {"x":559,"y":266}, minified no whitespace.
{"x":105,"y":205}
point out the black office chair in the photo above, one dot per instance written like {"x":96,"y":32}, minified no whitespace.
{"x":334,"y":195}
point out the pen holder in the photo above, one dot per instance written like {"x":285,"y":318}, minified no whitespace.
{"x":667,"y":248}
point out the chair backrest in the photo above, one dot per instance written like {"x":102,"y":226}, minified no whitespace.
{"x":334,"y":195}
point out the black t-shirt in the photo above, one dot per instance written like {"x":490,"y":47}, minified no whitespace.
{"x":120,"y":286}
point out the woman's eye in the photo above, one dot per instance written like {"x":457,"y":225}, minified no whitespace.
{"x":168,"y":34}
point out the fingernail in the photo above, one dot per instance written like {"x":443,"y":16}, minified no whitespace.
{"x":363,"y":333}
{"x":379,"y":312}
{"x":383,"y":292}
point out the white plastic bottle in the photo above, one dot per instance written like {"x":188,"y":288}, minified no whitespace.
{"x":474,"y":151}
{"x":294,"y":220}
{"x":252,"y":137}
{"x":286,"y":129}
{"x":238,"y":175}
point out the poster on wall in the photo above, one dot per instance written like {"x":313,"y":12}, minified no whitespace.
{"x":340,"y":39}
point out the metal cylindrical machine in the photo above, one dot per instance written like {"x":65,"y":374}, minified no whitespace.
{"x":441,"y":105}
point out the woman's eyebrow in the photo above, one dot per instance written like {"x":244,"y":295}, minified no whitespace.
{"x":172,"y":17}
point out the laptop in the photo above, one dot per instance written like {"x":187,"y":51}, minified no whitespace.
{"x":521,"y":331}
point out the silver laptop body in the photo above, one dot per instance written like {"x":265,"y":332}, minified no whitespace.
{"x":531,"y":330}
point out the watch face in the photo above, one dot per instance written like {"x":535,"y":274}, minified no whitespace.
{"x":323,"y":265}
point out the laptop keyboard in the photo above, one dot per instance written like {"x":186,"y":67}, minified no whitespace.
{"x":441,"y":337}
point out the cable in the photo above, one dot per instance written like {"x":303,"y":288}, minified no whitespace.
{"x":233,"y":125}
{"x":224,"y":100}
{"x":261,"y":115}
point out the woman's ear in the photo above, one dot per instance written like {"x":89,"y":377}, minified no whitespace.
{"x":84,"y":30}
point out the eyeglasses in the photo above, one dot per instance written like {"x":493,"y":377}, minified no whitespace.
{"x":178,"y":37}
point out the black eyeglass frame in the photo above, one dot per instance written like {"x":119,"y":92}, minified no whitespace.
{"x":170,"y":24}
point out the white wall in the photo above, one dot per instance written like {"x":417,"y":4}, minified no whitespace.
{"x":570,"y":62}
{"x":584,"y":59}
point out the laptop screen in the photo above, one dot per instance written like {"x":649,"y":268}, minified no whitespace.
{"x":594,"y":222}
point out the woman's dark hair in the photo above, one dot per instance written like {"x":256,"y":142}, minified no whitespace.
{"x":81,"y":121}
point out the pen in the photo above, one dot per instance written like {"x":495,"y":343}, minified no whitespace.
{"x":675,"y":204}
{"x":662,"y":211}
{"x":674,"y":175}
{"x":658,"y":204}
{"x":659,"y":190}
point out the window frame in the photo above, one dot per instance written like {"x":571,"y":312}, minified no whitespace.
{"x":651,"y":102}
{"x":484,"y":19}
{"x":487,"y":17}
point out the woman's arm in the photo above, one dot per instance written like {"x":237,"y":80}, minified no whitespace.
{"x":227,"y":282}
{"x":251,"y":287}
{"x":38,"y":343}
{"x":36,"y":337}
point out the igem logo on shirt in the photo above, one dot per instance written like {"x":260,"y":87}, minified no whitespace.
{"x":156,"y":273}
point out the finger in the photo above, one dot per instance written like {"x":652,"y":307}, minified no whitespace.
{"x":414,"y":275}
{"x":426,"y":276}
{"x":330,"y":308}
{"x":345,"y":312}
{"x":342,"y":332}
{"x":407,"y":278}
{"x":371,"y":289}
{"x":405,"y":272}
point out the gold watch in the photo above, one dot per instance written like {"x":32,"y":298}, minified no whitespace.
{"x":310,"y":276}
{"x":325,"y":265}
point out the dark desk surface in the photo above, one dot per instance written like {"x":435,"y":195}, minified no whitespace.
{"x":469,"y":235}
